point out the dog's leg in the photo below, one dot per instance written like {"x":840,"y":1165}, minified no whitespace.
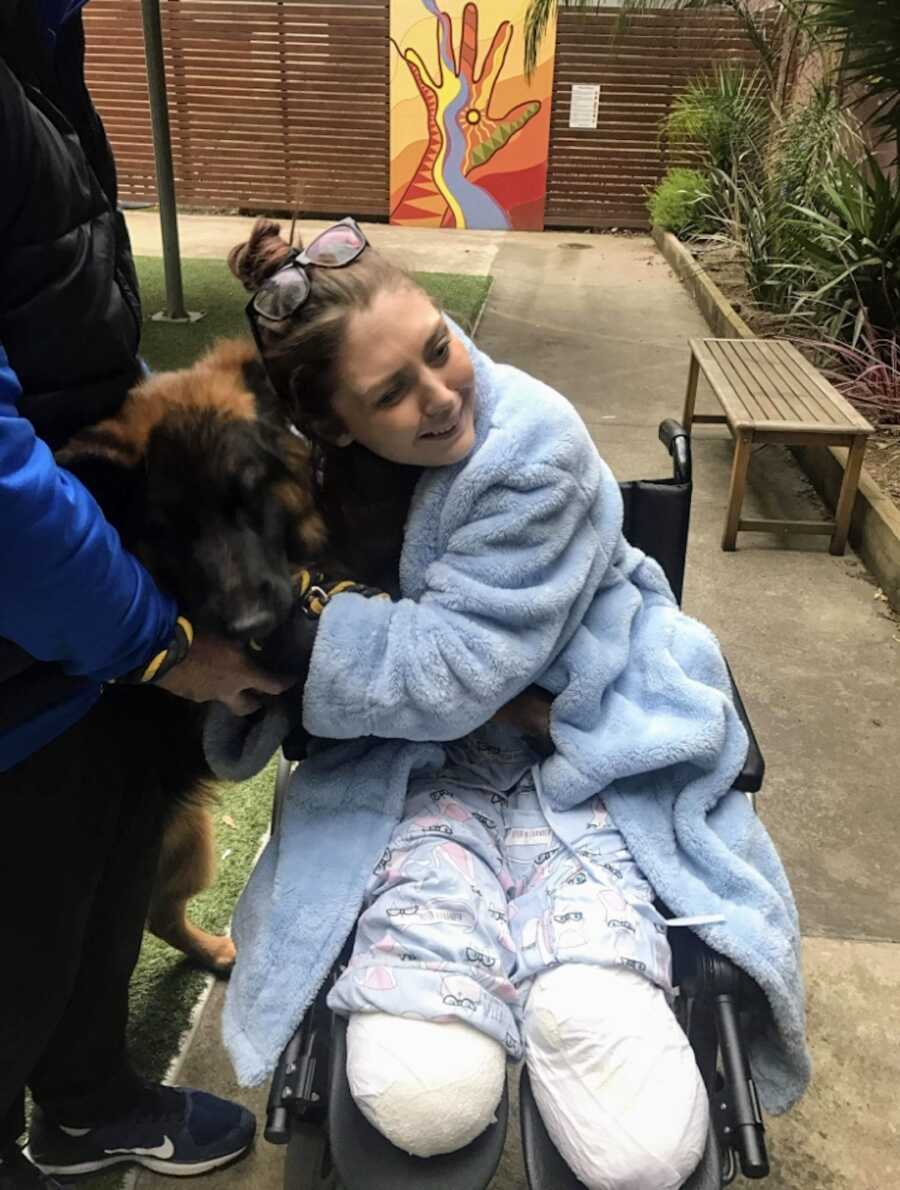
{"x":187,"y":867}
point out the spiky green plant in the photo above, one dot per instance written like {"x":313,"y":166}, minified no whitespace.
{"x":868,"y":34}
{"x":724,"y":115}
{"x":851,"y":243}
{"x":776,"y":30}
{"x":806,"y":145}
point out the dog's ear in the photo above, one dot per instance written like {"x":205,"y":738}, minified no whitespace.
{"x":296,"y":492}
{"x":114,"y":476}
{"x":257,"y":382}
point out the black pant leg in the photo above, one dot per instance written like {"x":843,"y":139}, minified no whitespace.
{"x":84,"y":1075}
{"x":77,"y":866}
{"x":54,"y":851}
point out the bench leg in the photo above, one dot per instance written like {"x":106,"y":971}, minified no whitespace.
{"x":847,"y":496}
{"x":740,"y":464}
{"x":690,"y":396}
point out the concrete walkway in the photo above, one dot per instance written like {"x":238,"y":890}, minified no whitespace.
{"x":603,"y":320}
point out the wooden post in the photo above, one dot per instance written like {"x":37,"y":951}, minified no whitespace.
{"x":847,"y":495}
{"x":743,"y":445}
{"x":690,"y":396}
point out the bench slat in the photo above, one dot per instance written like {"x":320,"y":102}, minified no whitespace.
{"x":792,"y":414}
{"x":781,"y":401}
{"x":736,"y":414}
{"x":802,"y":404}
{"x":766,"y":383}
{"x":818,"y":381}
{"x":771,"y":397}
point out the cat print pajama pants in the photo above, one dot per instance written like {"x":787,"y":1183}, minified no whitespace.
{"x":476,"y":895}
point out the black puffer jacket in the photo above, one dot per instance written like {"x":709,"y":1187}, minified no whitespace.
{"x":66,"y":261}
{"x":69,"y":310}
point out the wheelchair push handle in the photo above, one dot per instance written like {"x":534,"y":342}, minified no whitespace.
{"x":677,"y":442}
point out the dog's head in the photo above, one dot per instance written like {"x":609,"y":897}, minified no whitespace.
{"x":221,"y":531}
{"x":214,"y":499}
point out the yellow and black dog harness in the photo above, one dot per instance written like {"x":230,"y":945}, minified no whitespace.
{"x":314,"y":592}
{"x":176,"y":651}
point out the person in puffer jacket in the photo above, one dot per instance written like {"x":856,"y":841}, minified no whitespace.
{"x":75,"y":611}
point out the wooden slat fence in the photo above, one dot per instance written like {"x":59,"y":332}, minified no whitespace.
{"x":600,"y":178}
{"x":277,"y":102}
{"x":272,"y":102}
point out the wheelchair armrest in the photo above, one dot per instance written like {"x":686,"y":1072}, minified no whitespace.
{"x":750,"y":778}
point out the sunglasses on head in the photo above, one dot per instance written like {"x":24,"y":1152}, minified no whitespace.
{"x":281,"y":295}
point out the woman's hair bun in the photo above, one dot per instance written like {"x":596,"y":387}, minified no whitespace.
{"x":258,"y":258}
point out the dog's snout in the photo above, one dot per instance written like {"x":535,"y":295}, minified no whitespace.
{"x":252,"y":625}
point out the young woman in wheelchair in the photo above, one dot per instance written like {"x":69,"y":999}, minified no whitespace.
{"x":508,"y":908}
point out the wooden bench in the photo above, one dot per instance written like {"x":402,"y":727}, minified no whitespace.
{"x":770,"y":393}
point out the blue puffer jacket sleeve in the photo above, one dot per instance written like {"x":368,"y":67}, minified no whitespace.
{"x":69,"y":592}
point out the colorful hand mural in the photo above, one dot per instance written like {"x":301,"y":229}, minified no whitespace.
{"x":482,"y":161}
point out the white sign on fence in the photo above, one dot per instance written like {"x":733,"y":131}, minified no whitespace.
{"x":585,"y":105}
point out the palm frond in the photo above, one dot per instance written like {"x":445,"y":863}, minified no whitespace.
{"x":754,"y":22}
{"x":868,"y":31}
{"x":538,"y":17}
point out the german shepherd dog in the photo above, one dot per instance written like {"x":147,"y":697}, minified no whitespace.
{"x":213,"y":493}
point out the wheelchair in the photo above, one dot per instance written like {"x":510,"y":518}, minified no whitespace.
{"x":329,"y":1143}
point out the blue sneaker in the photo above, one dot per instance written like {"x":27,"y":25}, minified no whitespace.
{"x":173,"y":1131}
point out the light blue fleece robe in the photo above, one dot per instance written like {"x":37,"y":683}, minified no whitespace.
{"x":515,"y":571}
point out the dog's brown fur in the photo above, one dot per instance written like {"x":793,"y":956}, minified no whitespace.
{"x":106,"y":456}
{"x":187,"y":866}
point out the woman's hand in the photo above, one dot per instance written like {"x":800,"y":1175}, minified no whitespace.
{"x":218,"y":670}
{"x":288,"y":649}
{"x":529,"y":712}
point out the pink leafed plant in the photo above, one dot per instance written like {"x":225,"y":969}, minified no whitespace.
{"x":866,"y":372}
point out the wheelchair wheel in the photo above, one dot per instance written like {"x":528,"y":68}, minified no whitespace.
{"x":308,"y":1164}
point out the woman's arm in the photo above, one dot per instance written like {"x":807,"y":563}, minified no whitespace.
{"x":508,"y":592}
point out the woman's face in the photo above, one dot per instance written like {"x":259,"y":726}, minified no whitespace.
{"x":406,"y":386}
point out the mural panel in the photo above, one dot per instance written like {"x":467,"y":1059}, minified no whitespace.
{"x":469,"y":133}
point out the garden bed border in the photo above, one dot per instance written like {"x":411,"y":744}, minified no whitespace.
{"x":875,"y":524}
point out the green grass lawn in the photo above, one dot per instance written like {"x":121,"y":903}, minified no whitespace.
{"x":166,"y":987}
{"x":210,"y":287}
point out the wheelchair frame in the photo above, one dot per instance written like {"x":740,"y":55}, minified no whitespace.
{"x":330,"y":1144}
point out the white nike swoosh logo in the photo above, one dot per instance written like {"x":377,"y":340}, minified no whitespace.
{"x":163,"y":1151}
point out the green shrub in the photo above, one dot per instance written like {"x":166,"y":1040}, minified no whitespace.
{"x":680,"y":203}
{"x":724,"y":116}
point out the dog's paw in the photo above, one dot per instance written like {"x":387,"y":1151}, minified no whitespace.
{"x":218,"y":954}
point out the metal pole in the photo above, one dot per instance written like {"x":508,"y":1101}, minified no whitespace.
{"x":162,"y":148}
